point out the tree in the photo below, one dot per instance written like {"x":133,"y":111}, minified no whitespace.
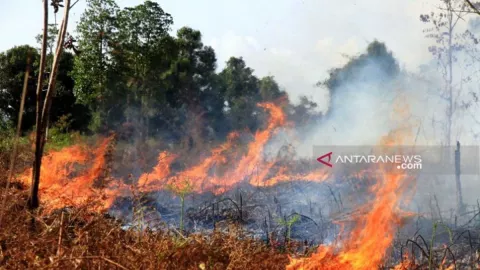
{"x":376,"y":66}
{"x":449,"y":46}
{"x":449,"y":50}
{"x":192,"y":70}
{"x":473,"y":6}
{"x":52,"y":32}
{"x":241,"y":92}
{"x":97,"y":40}
{"x":191,"y":89}
{"x":305,"y":113}
{"x":43,"y":112}
{"x":269,"y":89}
{"x":12,"y":68}
{"x":13,"y":64}
{"x":146,"y":51}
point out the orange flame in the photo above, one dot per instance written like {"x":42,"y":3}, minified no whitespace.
{"x":58,"y":187}
{"x":218,"y":172}
{"x":367,"y":244}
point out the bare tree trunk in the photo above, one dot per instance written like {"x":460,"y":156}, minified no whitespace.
{"x":33,"y":199}
{"x":457,"y":180}
{"x":450,"y":81}
{"x":43,"y":118}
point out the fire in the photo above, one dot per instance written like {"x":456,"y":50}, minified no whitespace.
{"x":225,"y":166}
{"x":251,"y":165}
{"x":58,"y":187}
{"x":367,"y":243}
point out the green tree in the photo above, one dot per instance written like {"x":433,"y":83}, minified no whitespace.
{"x":192,"y":70}
{"x":241,"y":92}
{"x":269,"y":89}
{"x":146,"y":51}
{"x":194,"y":88}
{"x":13,"y":64}
{"x":97,"y":40}
{"x":52,"y":33}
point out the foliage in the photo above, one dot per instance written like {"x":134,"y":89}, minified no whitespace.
{"x":12,"y":71}
{"x":129,"y":68}
{"x":181,"y":190}
{"x":57,"y":139}
{"x":52,"y":34}
{"x":377,"y":65}
{"x":288,"y":223}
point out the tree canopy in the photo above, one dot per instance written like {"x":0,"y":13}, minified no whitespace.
{"x":127,"y":69}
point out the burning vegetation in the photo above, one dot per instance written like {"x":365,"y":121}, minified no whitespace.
{"x":78,"y":186}
{"x":151,"y":159}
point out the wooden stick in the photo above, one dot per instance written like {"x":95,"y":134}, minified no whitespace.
{"x":13,"y":157}
{"x":59,"y":248}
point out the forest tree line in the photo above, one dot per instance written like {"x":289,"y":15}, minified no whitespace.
{"x":123,"y":68}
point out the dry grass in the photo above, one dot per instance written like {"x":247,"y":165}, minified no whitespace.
{"x":77,"y":239}
{"x":81,"y":239}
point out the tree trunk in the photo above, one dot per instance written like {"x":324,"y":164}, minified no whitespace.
{"x":33,"y":199}
{"x":459,"y":197}
{"x":42,"y":120}
{"x":450,"y":83}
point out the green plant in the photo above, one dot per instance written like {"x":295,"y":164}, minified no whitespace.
{"x":57,"y":139}
{"x":432,"y":241}
{"x":182,"y":191}
{"x":288,"y":223}
{"x":64,"y":122}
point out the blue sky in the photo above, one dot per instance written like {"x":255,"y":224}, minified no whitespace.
{"x":297,"y":41}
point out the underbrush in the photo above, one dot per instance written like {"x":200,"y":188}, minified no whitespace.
{"x":78,"y":239}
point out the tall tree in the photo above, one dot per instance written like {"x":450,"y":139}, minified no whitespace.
{"x":146,"y":51}
{"x":12,"y":70}
{"x":97,"y":39}
{"x":241,"y":92}
{"x":450,"y":43}
{"x":194,"y":91}
{"x":269,"y":89}
{"x":52,"y":32}
{"x":451,"y":46}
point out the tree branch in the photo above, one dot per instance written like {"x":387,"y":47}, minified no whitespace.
{"x":472,"y":7}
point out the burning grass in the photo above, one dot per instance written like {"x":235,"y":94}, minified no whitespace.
{"x":77,"y":186}
{"x":74,"y":238}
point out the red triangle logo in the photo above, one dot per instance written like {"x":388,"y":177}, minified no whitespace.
{"x":329,"y":155}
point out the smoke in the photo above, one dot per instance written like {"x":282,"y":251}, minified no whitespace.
{"x":364,"y":109}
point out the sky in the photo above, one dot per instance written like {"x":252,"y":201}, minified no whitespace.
{"x":297,"y":41}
